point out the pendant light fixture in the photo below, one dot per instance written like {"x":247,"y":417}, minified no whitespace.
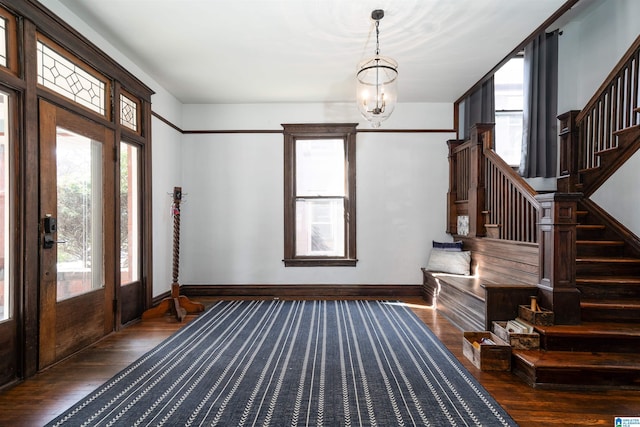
{"x":376,"y":82}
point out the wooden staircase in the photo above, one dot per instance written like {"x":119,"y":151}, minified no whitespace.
{"x":609,"y":159}
{"x":604,"y":350}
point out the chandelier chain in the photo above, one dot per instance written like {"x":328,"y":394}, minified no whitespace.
{"x":377,"y":37}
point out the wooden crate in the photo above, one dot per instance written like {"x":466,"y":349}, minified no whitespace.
{"x":488,"y":357}
{"x":519,"y":341}
{"x":542,"y":318}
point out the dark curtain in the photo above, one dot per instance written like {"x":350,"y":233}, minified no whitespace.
{"x":539,"y":130}
{"x":479,"y":107}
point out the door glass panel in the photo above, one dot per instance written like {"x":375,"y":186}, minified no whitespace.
{"x":5,"y":203}
{"x":79,"y":209}
{"x":129,"y":213}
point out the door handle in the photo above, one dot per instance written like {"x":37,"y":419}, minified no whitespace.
{"x":48,"y":241}
{"x":50,"y":228}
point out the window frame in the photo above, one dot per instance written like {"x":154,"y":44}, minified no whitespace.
{"x":292,"y":133}
{"x":86,"y":68}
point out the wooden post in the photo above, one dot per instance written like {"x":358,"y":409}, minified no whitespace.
{"x":569,"y":152}
{"x":480,"y":138}
{"x":557,"y":243}
{"x":452,"y":194}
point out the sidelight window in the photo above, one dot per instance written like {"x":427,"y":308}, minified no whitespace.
{"x":5,"y":210}
{"x":129,"y":213}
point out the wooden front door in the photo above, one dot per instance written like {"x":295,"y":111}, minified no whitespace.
{"x":77,"y":256}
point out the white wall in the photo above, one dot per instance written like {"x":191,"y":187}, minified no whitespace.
{"x":620,"y":194}
{"x":232,"y":220}
{"x":167,"y":173}
{"x":590,"y":45}
{"x":589,"y":49}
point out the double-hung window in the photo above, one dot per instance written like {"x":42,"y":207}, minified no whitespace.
{"x":319,"y":197}
{"x":508,"y":82}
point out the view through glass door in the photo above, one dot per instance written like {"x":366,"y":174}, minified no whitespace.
{"x":8,"y":324}
{"x":131,"y":291}
{"x":77,"y":255}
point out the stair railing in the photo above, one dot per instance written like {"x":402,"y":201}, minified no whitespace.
{"x":483,"y":188}
{"x":588,"y":135}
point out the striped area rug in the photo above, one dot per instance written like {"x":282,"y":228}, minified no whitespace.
{"x":291,"y":363}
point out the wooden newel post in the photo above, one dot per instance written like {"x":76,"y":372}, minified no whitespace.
{"x":569,"y":152}
{"x":557,"y":243}
{"x":480,"y":138}
{"x":452,"y":194}
{"x":177,"y":304}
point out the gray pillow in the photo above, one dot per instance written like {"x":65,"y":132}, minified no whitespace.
{"x":450,"y":262}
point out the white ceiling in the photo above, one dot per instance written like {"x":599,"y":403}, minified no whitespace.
{"x":255,"y":51}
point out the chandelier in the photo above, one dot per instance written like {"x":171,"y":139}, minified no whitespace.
{"x":376,"y":82}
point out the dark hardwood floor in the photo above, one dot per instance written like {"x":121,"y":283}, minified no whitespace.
{"x":42,"y":397}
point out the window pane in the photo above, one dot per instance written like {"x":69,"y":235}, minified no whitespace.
{"x":508,"y":81}
{"x":79,"y":181}
{"x":129,"y":213}
{"x":509,"y":136}
{"x":320,"y":227}
{"x":128,"y":113}
{"x":66,"y":78}
{"x":509,"y":98}
{"x":5,"y":209}
{"x":320,"y":167}
{"x":3,"y":42}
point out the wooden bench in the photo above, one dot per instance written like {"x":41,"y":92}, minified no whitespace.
{"x":506,"y":275}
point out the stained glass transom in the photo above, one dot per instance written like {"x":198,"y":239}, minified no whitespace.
{"x":68,"y":79}
{"x":3,"y":42}
{"x":128,"y":113}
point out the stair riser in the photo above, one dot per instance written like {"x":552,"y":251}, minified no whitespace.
{"x":616,"y":291}
{"x":590,"y":344}
{"x":629,"y":315}
{"x":590,"y":235}
{"x":561,"y":377}
{"x":584,"y":269}
{"x":599,"y":251}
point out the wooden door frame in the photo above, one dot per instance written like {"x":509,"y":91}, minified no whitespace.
{"x":10,"y":329}
{"x":32,"y":18}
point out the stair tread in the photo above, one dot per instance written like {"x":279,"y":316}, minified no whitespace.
{"x":591,"y":226}
{"x":591,"y":169}
{"x":603,"y":329}
{"x":631,"y":128}
{"x":578,"y":359}
{"x":609,"y":280}
{"x":606,"y":151}
{"x":620,"y":303}
{"x":619,"y":260}
{"x":600,"y":242}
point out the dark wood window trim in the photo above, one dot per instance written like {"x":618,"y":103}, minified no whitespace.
{"x":293,"y":132}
